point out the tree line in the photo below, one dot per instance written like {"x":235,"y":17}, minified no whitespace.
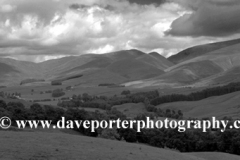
{"x":103,"y":102}
{"x":196,"y":96}
{"x":189,"y":141}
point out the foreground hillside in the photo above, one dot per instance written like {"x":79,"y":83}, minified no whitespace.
{"x":61,"y":146}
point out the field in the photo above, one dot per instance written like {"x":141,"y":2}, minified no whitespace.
{"x":219,"y":106}
{"x":61,"y":146}
{"x":131,"y":109}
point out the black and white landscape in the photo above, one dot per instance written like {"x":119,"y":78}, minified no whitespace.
{"x":127,"y":59}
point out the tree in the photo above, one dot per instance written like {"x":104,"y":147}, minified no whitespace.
{"x":37,"y":112}
{"x":56,"y":83}
{"x":235,"y":145}
{"x":3,"y":104}
{"x":17,"y":113}
{"x":130,"y":135}
{"x":57,"y":93}
{"x":110,"y":134}
{"x":126,"y":92}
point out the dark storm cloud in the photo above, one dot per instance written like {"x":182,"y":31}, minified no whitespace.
{"x":147,"y":2}
{"x":216,"y":18}
{"x":77,"y":6}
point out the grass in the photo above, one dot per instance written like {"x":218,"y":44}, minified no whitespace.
{"x":27,"y":94}
{"x":60,"y":146}
{"x":218,"y":106}
{"x":131,"y":109}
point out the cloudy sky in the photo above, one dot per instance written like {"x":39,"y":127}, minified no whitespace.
{"x":38,"y":30}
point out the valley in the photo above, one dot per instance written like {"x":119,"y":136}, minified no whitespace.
{"x":124,"y":84}
{"x":110,"y":74}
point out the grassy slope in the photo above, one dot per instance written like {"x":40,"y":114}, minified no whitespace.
{"x":203,"y":69}
{"x":133,"y":69}
{"x":200,"y":50}
{"x":183,"y":75}
{"x":42,"y":145}
{"x":12,"y":72}
{"x":124,"y":54}
{"x":226,"y":58}
{"x":97,"y":76}
{"x":213,"y":156}
{"x":124,"y":65}
{"x":7,"y":72}
{"x":219,"y":106}
{"x":155,"y":60}
{"x":233,"y":75}
{"x":5,"y":69}
{"x":191,"y":72}
{"x":165,"y":61}
{"x":131,"y":109}
{"x":25,"y":103}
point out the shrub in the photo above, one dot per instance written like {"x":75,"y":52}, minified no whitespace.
{"x":127,"y":92}
{"x":56,"y":83}
{"x":58,"y":93}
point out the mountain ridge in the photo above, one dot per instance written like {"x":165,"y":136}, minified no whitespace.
{"x":199,"y":50}
{"x":140,"y":66}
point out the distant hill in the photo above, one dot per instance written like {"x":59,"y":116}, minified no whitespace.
{"x":5,"y":69}
{"x":117,"y":67}
{"x":124,"y":54}
{"x":164,"y":61}
{"x":215,"y":64}
{"x":155,"y":60}
{"x":197,"y":66}
{"x":26,"y":68}
{"x":200,"y":50}
{"x":133,"y":69}
{"x":183,"y":75}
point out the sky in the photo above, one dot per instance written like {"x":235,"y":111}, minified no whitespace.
{"x":39,"y":30}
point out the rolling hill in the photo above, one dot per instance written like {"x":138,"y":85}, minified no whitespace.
{"x":197,"y":66}
{"x":125,"y":65}
{"x":226,"y":58}
{"x":124,"y":54}
{"x":181,"y":76}
{"x":7,"y":73}
{"x":131,"y":109}
{"x":61,"y":146}
{"x":219,"y":106}
{"x":200,"y":66}
{"x":118,"y":67}
{"x":165,"y":62}
{"x":160,"y":63}
{"x":197,"y":51}
{"x":133,"y":69}
{"x":6,"y":69}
